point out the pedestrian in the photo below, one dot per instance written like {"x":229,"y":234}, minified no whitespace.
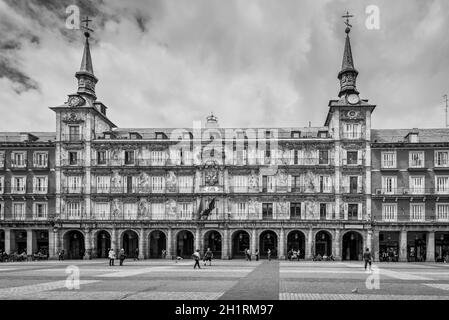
{"x":269,"y":254}
{"x":164,"y":254}
{"x":122,"y":256}
{"x":61,"y":255}
{"x":136,"y":254}
{"x":196,"y":256}
{"x":368,"y":259}
{"x":256,"y":253}
{"x":111,"y":256}
{"x":208,"y":257}
{"x":249,"y":254}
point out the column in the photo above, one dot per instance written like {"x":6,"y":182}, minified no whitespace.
{"x":225,"y":245}
{"x":309,"y":249}
{"x":430,"y":247}
{"x":253,"y":243}
{"x":142,"y":244}
{"x":197,"y":239}
{"x":87,"y":245}
{"x":114,"y":240}
{"x":337,"y":246}
{"x":169,"y":244}
{"x":30,"y":247}
{"x":369,"y":241}
{"x":375,"y":244}
{"x":8,"y":240}
{"x":403,"y":246}
{"x":51,"y":244}
{"x":281,"y":245}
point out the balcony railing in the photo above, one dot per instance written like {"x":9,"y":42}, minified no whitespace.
{"x":412,"y":191}
{"x":73,"y":190}
{"x":141,"y":190}
{"x":349,"y":190}
{"x":72,"y":163}
{"x":15,"y":164}
{"x":72,"y":138}
{"x":355,"y":162}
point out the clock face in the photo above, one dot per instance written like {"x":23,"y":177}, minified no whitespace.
{"x":353,"y":98}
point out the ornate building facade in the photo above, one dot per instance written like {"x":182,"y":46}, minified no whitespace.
{"x":321,"y":190}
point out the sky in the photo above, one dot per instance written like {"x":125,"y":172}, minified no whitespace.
{"x":253,"y":63}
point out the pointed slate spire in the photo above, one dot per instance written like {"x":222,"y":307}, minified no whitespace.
{"x":348,"y":73}
{"x":85,"y":76}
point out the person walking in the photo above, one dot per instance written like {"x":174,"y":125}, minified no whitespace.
{"x":368,"y":259}
{"x":136,"y":254}
{"x":61,"y":255}
{"x":122,"y":256}
{"x":111,"y":256}
{"x":208,"y":257}
{"x":256,"y":253}
{"x":196,"y":256}
{"x":164,"y":254}
{"x":269,"y":254}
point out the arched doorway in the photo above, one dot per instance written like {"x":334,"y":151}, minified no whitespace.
{"x":296,"y":241}
{"x":323,"y":243}
{"x":74,"y":244}
{"x":2,"y":240}
{"x":240,"y":242}
{"x":130,"y":242}
{"x":42,"y":241}
{"x":352,"y":246}
{"x":158,"y":242}
{"x":268,"y":240}
{"x":212,"y":240}
{"x":184,"y":244}
{"x":103,"y":244}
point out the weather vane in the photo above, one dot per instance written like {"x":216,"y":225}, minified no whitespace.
{"x":86,"y":26}
{"x":347,"y":16}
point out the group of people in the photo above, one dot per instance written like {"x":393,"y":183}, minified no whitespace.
{"x":323,"y":257}
{"x":293,"y":254}
{"x":112,"y":256}
{"x":208,"y":255}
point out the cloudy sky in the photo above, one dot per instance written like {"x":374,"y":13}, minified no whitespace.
{"x":166,"y":63}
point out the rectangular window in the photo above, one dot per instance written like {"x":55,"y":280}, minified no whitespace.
{"x":129,"y":157}
{"x":353,"y":211}
{"x":40,"y":159}
{"x":267,"y":211}
{"x":240,"y":183}
{"x":102,"y":210}
{"x":2,"y":159}
{"x":416,"y":159}
{"x":2,"y":210}
{"x":40,"y":185}
{"x":325,"y":184}
{"x":389,"y":160}
{"x":157,"y":184}
{"x":389,"y":185}
{"x":18,"y":159}
{"x":442,"y":184}
{"x":101,"y":157}
{"x":18,"y":185}
{"x":295,"y":211}
{"x":417,"y":185}
{"x":74,"y":133}
{"x":268,"y":184}
{"x":130,"y":211}
{"x":40,"y":211}
{"x":158,"y":210}
{"x":2,"y":185}
{"x":323,"y":157}
{"x":441,"y":158}
{"x":73,"y":158}
{"x":242,"y":210}
{"x":74,"y":210}
{"x":352,"y":131}
{"x":417,"y":212}
{"x":185,"y":184}
{"x":18,"y":210}
{"x":352,"y":158}
{"x":103,"y":184}
{"x":185,"y":211}
{"x":295,"y":156}
{"x":296,"y":184}
{"x":74,"y":184}
{"x":442,"y":212}
{"x":389,"y":212}
{"x":323,"y":211}
{"x":157,"y":158}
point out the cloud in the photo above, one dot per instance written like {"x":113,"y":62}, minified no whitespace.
{"x":166,"y":63}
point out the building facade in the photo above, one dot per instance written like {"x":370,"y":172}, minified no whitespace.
{"x":332,"y":190}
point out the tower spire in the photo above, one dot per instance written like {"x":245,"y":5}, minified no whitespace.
{"x":85,"y":76}
{"x":348,"y":73}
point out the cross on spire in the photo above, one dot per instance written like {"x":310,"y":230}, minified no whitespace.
{"x":347,"y":16}
{"x":86,"y":21}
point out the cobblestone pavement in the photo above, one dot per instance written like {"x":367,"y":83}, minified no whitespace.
{"x":234,"y":279}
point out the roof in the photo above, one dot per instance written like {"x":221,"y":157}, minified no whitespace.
{"x":17,"y":136}
{"x":398,"y":135}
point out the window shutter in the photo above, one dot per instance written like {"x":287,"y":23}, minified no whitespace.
{"x":359,"y":184}
{"x":359,"y":212}
{"x":344,"y":157}
{"x":289,"y":183}
{"x":329,"y":211}
{"x":303,"y":211}
{"x":345,"y":211}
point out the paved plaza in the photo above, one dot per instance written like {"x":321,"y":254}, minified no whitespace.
{"x":232,"y":279}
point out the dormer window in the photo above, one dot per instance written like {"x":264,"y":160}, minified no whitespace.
{"x":322,"y":134}
{"x":135,"y":136}
{"x":160,"y":136}
{"x":413,"y":138}
{"x":296,"y":134}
